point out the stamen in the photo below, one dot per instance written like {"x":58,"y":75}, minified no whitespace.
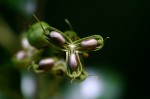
{"x":46,"y":64}
{"x":57,"y":37}
{"x":89,"y":44}
{"x":73,"y":62}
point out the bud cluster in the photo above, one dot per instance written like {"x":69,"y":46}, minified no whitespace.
{"x":50,"y":38}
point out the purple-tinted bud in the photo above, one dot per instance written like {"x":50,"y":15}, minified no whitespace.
{"x":73,"y":62}
{"x":46,"y":64}
{"x":21,"y":55}
{"x":57,"y":37}
{"x":89,"y":44}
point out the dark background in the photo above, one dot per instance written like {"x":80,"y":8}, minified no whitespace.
{"x":126,"y":22}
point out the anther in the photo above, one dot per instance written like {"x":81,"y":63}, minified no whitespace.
{"x":73,"y":62}
{"x":46,"y":64}
{"x":89,"y":44}
{"x":57,"y":37}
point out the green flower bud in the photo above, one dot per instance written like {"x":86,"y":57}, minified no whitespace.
{"x":59,"y":68}
{"x":37,"y":35}
{"x":21,"y":59}
{"x":72,"y":35}
{"x":83,"y":76}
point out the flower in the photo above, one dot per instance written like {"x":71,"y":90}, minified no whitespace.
{"x":67,"y":42}
{"x":74,"y":48}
